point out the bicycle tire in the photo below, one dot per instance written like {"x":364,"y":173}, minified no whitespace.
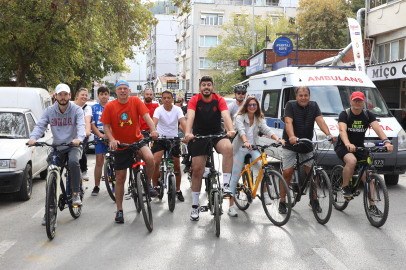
{"x":144,"y":198}
{"x":382,"y":203}
{"x":161,"y":183}
{"x":339,"y":202}
{"x":216,"y":208}
{"x":51,"y":204}
{"x":75,"y":211}
{"x":134,"y":190}
{"x":171,"y":192}
{"x":109,"y":178}
{"x":207,"y":184}
{"x":272,"y":182}
{"x":324,"y":195}
{"x":241,"y":196}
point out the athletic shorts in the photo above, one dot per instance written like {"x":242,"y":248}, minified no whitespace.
{"x":341,"y":151}
{"x":124,"y":159}
{"x":289,"y":158}
{"x":100,"y":148}
{"x":165,"y":145}
{"x":201,"y":147}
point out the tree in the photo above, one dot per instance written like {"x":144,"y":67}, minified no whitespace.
{"x":323,"y":24}
{"x":236,"y":43}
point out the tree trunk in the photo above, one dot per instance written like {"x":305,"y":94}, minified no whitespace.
{"x":21,"y":74}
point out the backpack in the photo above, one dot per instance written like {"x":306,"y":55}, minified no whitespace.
{"x":348,"y":113}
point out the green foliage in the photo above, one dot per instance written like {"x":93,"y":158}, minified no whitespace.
{"x":236,"y":43}
{"x":323,"y":23}
{"x":75,"y":42}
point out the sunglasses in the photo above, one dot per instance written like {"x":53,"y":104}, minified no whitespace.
{"x":240,"y":93}
{"x":252,"y":105}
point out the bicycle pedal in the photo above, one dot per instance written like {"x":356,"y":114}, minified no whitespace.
{"x":204,"y":208}
{"x":103,"y":178}
{"x":356,"y":193}
{"x":85,"y":180}
{"x":127,"y":197}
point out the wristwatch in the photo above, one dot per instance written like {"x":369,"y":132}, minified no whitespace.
{"x":386,"y":140}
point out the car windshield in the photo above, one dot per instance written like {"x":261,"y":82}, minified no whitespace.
{"x":12,"y":125}
{"x":327,"y":97}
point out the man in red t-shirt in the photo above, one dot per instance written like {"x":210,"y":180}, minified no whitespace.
{"x":120,"y":120}
{"x":148,"y":96}
{"x":204,"y":115}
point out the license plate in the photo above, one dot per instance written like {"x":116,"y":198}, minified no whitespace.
{"x":379,"y":162}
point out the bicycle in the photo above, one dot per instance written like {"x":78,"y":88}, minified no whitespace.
{"x":319,"y":183}
{"x":54,"y":186}
{"x":372,"y":192}
{"x":167,"y":176}
{"x":138,"y":184}
{"x":271,"y":182}
{"x":215,"y":198}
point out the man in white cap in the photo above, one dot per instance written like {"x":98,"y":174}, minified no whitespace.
{"x":67,"y":126}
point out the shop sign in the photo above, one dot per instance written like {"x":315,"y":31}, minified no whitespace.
{"x":387,"y":71}
{"x":256,"y":64}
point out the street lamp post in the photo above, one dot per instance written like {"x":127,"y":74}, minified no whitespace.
{"x":253,"y":28}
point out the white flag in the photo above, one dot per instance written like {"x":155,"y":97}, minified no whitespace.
{"x":356,"y":41}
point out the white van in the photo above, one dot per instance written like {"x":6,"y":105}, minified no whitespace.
{"x":20,"y":109}
{"x":331,"y":89}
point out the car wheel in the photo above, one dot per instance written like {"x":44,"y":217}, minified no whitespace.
{"x":24,"y":194}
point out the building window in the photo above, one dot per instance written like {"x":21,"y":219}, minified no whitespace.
{"x":209,"y":41}
{"x":187,"y":63}
{"x":211,"y":19}
{"x":187,"y":85}
{"x":205,"y":63}
{"x":391,"y":51}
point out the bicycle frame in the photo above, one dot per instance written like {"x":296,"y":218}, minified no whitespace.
{"x":261,"y":170}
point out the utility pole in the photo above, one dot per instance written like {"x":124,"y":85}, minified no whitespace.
{"x":253,"y":28}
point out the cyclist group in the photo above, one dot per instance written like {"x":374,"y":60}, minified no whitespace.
{"x":123,"y":120}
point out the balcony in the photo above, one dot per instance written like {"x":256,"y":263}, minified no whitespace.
{"x":183,"y":33}
{"x":183,"y":52}
{"x":176,"y":57}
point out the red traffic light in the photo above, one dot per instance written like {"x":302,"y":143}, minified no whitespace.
{"x":243,"y":63}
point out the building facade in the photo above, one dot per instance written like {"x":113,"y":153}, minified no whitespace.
{"x":200,"y":29}
{"x":385,"y":27}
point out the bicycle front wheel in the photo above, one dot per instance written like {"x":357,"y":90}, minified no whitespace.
{"x":339,"y":202}
{"x":241,"y":192}
{"x":51,"y":204}
{"x":271,"y":198}
{"x":133,"y":189}
{"x":321,"y":198}
{"x":216,"y":208}
{"x":75,"y":211}
{"x":110,"y":178}
{"x":377,"y":192}
{"x":171,"y":192}
{"x":144,"y":198}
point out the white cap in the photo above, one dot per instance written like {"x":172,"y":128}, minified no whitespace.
{"x":62,"y":88}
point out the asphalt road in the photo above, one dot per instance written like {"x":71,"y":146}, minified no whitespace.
{"x":94,"y":241}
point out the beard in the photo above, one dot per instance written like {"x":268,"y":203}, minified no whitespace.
{"x":148,"y":99}
{"x":206,"y":95}
{"x":63,"y":103}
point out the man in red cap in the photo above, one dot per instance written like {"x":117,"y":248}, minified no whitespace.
{"x":353,"y":123}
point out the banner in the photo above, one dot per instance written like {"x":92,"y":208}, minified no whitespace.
{"x":356,"y":41}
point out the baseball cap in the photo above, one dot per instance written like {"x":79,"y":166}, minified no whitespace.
{"x":62,"y":88}
{"x":356,"y":95}
{"x":122,"y":82}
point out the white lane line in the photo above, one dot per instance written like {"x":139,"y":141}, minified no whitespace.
{"x":42,"y":210}
{"x":329,"y":258}
{"x":5,"y":245}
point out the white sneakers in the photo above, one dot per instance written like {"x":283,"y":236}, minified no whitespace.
{"x":268,"y":200}
{"x":84,"y":176}
{"x":231,"y":212}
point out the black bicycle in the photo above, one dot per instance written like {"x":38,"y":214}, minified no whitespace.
{"x":138,"y":183}
{"x":374,"y":189}
{"x":54,"y":198}
{"x":320,"y":194}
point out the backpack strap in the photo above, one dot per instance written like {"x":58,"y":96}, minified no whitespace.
{"x":84,"y":107}
{"x":364,"y":111}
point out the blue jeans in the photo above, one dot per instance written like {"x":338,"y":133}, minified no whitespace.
{"x":238,"y":164}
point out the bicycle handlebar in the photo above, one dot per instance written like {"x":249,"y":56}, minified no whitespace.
{"x":259,"y":147}
{"x":164,"y":138}
{"x":310,"y":141}
{"x":371,"y":149}
{"x":100,"y":140}
{"x":54,"y":145}
{"x":210,"y":136}
{"x":135,"y":144}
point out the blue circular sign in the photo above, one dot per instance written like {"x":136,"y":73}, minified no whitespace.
{"x":283,"y":46}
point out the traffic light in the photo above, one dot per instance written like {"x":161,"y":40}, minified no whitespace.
{"x":243,"y":63}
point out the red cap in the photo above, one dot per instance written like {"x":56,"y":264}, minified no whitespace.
{"x":356,"y":95}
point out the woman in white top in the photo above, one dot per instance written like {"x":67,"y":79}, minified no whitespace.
{"x":80,"y":100}
{"x":247,"y":122}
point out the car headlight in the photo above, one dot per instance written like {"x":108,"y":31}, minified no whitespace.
{"x":8,"y":163}
{"x":402,"y":140}
{"x":324,"y":145}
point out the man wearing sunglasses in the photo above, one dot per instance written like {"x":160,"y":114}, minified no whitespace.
{"x":240,"y":91}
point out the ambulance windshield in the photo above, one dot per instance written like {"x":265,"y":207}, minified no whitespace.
{"x":334,"y":99}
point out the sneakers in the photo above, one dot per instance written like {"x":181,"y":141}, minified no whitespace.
{"x":157,"y":189}
{"x":180,"y":196}
{"x":283,"y":207}
{"x":316,"y":205}
{"x":373,"y":210}
{"x":227,"y":191}
{"x":347,"y":192}
{"x":119,"y":216}
{"x":76,"y":200}
{"x":187,"y":168}
{"x":231,"y":212}
{"x":152,"y":192}
{"x":95,"y":191}
{"x":267,"y":199}
{"x":84,"y":176}
{"x":194,"y":214}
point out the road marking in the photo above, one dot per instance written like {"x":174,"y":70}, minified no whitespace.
{"x":5,"y":245}
{"x":42,"y":210}
{"x":329,"y":258}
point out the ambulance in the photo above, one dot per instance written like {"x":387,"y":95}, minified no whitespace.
{"x":331,"y":88}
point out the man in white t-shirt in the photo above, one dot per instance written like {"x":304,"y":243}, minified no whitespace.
{"x":166,"y":119}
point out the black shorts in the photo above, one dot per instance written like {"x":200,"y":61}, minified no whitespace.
{"x":124,"y":159}
{"x":165,"y":145}
{"x":341,"y":151}
{"x":201,"y":147}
